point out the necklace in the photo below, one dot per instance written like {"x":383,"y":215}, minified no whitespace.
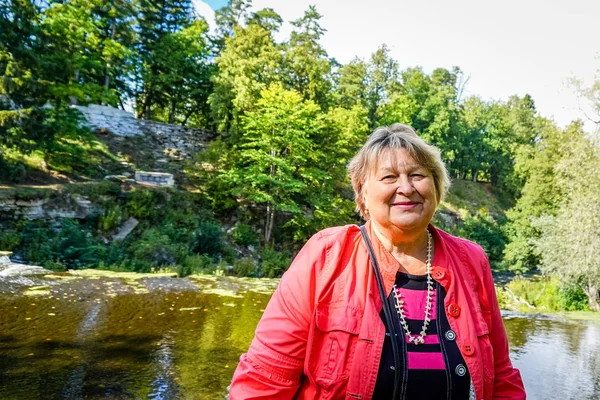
{"x":417,"y":339}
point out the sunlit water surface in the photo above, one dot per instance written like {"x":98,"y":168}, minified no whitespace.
{"x":87,"y":341}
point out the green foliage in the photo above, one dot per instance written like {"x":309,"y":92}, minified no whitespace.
{"x":155,"y":250}
{"x":143,"y":203}
{"x":208,"y":239}
{"x":244,"y":235}
{"x":76,"y":248}
{"x":545,"y":294}
{"x":485,"y":231}
{"x":248,"y":64}
{"x":569,"y":243}
{"x":245,"y":266}
{"x":274,"y":263}
{"x":111,"y":219}
{"x":196,"y":264}
{"x":572,"y":299}
{"x":9,"y":239}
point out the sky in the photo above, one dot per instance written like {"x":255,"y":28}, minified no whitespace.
{"x":509,"y":47}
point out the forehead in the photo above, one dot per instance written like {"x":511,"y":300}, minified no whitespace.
{"x":394,"y":159}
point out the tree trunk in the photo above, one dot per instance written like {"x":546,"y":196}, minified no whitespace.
{"x":270,"y":222}
{"x":107,"y":67}
{"x":592,"y":293}
{"x":475,"y":172}
{"x":172,"y":112}
{"x":147,"y":106}
{"x":75,"y":80}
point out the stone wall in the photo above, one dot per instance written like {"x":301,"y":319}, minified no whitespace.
{"x":178,"y":141}
{"x":61,"y":205}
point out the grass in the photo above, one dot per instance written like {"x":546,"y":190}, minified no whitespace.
{"x":467,"y":198}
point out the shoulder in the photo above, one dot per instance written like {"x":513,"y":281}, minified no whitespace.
{"x":455,"y":243}
{"x":333,"y":237}
{"x":324,"y":246}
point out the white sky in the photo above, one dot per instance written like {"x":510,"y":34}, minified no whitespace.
{"x":507,"y":47}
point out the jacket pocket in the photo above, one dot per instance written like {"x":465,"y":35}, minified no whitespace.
{"x":487,"y":355}
{"x":333,"y":343}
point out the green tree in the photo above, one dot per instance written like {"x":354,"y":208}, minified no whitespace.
{"x":276,"y":158}
{"x":352,"y":84}
{"x":249,"y":63}
{"x":541,"y":195}
{"x":307,"y":69}
{"x":569,"y":243}
{"x":183,"y":74}
{"x":157,"y":22}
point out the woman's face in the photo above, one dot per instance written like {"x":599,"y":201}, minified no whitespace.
{"x":399,"y":194}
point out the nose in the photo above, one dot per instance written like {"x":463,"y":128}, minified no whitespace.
{"x":405,"y":186}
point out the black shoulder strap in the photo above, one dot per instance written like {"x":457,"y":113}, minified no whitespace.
{"x":386,"y":309}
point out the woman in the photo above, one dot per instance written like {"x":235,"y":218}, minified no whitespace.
{"x":437,"y":333}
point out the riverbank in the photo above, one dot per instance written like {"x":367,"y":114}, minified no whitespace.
{"x":530,"y":296}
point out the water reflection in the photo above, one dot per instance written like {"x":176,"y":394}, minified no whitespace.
{"x":186,"y":344}
{"x":557,"y":359}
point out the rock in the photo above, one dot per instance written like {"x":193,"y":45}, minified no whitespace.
{"x":126,"y":229}
{"x":5,"y":258}
{"x":155,"y":178}
{"x":15,"y":270}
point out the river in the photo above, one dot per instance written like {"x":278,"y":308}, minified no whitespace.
{"x":110,"y":337}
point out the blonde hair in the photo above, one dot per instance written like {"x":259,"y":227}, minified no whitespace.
{"x":396,"y":136}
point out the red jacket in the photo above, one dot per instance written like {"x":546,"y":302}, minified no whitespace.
{"x":321,"y":335}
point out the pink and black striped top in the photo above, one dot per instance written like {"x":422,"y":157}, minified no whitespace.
{"x":433,"y":370}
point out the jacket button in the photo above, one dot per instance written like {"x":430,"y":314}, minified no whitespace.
{"x":460,"y":370}
{"x":450,"y":335}
{"x":468,"y":349}
{"x":439,"y":274}
{"x":454,"y":310}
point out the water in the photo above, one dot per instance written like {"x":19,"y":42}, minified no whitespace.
{"x":109,"y":338}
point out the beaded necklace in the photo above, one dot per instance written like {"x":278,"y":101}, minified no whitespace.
{"x":417,"y":339}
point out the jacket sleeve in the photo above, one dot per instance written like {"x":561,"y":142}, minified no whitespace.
{"x":507,"y":381}
{"x":273,"y":365}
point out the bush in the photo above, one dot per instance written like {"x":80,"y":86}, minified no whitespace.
{"x":196,"y":264}
{"x":573,"y":299}
{"x":483,"y":230}
{"x":77,"y":248}
{"x":245,"y":266}
{"x":155,"y":250}
{"x":38,"y":242}
{"x":9,"y":239}
{"x":244,"y":235}
{"x":111,"y":219}
{"x":143,"y":204}
{"x":208,"y":239}
{"x":546,"y":293}
{"x":274,"y":263}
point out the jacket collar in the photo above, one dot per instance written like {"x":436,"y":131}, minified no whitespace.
{"x":388,"y":265}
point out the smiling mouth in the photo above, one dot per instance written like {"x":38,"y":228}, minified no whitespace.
{"x":406,"y":205}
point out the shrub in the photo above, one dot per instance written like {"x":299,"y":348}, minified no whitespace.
{"x":38,"y":242}
{"x":208,"y":239}
{"x":111,"y":219}
{"x":77,"y":248}
{"x":155,"y":250}
{"x":483,"y":230}
{"x":572,"y":299}
{"x":244,"y":235}
{"x":9,"y":239}
{"x":245,"y":266}
{"x":274,"y":263}
{"x":143,"y":204}
{"x":196,"y":264}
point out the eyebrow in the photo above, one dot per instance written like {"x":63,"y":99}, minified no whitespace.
{"x":412,"y":166}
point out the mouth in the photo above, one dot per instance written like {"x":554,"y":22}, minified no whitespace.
{"x":406,"y":205}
